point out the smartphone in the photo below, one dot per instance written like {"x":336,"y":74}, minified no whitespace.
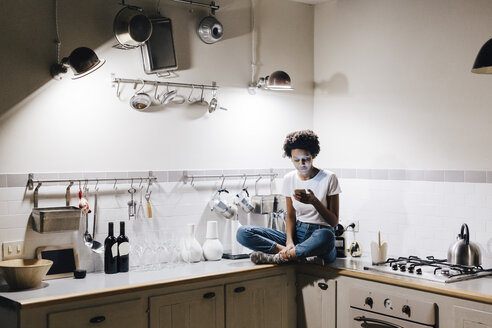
{"x":300,"y":192}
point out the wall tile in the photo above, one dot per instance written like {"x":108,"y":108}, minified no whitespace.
{"x":476,"y":176}
{"x":17,"y":180}
{"x":396,"y":174}
{"x":489,"y":176}
{"x":434,"y":175}
{"x":363,"y":173}
{"x":349,"y":173}
{"x":454,"y":176}
{"x":175,"y":176}
{"x":162,"y":176}
{"x":414,"y":175}
{"x":379,"y":174}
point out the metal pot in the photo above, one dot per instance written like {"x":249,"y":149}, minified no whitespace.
{"x":463,"y":251}
{"x":210,"y":30}
{"x":131,"y":27}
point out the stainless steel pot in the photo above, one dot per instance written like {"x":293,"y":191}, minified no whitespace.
{"x":210,"y":30}
{"x":131,"y":27}
{"x":463,"y":251}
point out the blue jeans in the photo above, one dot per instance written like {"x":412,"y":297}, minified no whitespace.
{"x":310,"y":240}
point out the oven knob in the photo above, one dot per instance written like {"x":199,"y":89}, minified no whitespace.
{"x":394,"y":267}
{"x":419,"y":271}
{"x":369,"y":301}
{"x":406,"y":309}
{"x":388,"y":304}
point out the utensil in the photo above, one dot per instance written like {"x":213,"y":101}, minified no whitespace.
{"x":131,"y":27}
{"x":140,"y":210}
{"x":87,"y":236}
{"x":132,"y":205}
{"x":140,"y":100}
{"x":149,"y":207}
{"x":210,"y":30}
{"x":97,"y":247}
{"x":463,"y":251}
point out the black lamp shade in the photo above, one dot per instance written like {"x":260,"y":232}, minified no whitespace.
{"x":84,"y":61}
{"x":483,"y":62}
{"x":279,"y":80}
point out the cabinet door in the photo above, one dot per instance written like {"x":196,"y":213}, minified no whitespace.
{"x":258,"y":303}
{"x":200,"y":308}
{"x":316,"y":302}
{"x":470,"y":318}
{"x":117,"y":315}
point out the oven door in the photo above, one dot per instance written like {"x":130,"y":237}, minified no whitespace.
{"x":365,"y":319}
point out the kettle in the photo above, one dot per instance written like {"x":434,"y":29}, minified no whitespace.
{"x":463,"y":251}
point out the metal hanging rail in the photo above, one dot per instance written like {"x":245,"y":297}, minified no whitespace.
{"x":212,"y":86}
{"x":213,"y":7}
{"x":225,"y":176}
{"x":30,"y":182}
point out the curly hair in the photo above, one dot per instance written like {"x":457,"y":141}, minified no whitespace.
{"x":305,"y":139}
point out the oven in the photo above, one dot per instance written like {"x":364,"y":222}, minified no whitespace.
{"x":386,"y":309}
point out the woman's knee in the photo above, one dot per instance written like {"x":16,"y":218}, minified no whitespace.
{"x":243,"y":233}
{"x":326,"y":236}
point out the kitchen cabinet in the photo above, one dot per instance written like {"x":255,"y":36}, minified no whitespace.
{"x":200,"y":308}
{"x":316,"y":301}
{"x":471,"y":318}
{"x":117,"y":314}
{"x":259,"y":303}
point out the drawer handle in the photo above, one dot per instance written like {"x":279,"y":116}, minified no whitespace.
{"x":98,"y":319}
{"x":209,"y":295}
{"x":239,"y":289}
{"x":322,"y":285}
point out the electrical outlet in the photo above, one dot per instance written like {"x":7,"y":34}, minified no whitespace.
{"x":347,"y":224}
{"x":12,"y":250}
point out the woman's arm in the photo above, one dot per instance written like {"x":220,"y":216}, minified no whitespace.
{"x":290,"y":222}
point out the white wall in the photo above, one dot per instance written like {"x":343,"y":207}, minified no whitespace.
{"x":394,"y":87}
{"x":77,"y":126}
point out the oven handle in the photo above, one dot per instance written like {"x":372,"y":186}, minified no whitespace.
{"x":382,"y":322}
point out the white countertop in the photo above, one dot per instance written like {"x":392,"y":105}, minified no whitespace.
{"x":476,"y":289}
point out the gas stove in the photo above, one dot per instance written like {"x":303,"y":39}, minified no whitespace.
{"x":429,"y":268}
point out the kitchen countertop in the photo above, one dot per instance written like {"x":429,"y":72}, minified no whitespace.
{"x":96,"y":284}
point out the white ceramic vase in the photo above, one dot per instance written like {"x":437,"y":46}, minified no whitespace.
{"x":192,"y":251}
{"x":212,"y":248}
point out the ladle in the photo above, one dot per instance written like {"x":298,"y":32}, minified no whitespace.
{"x":87,"y":236}
{"x":97,"y":247}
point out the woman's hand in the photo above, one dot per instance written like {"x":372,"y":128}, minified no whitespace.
{"x":306,"y":198}
{"x":286,"y":252}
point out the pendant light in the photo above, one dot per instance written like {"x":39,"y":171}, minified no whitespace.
{"x":483,"y":62}
{"x":278,"y":80}
{"x":82,"y":60}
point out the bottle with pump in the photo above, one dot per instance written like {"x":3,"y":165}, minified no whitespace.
{"x":123,"y":250}
{"x":110,"y":251}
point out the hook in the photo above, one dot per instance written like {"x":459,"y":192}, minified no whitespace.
{"x":95,"y":187}
{"x":244,"y":182}
{"x":114,"y":186}
{"x":140,"y":185}
{"x":191,"y":183}
{"x":67,"y":194}
{"x":131,"y":185}
{"x":201,"y":96}
{"x":156,"y":97}
{"x":256,"y":184}
{"x":222,"y":184}
{"x":118,"y":91}
{"x":192,"y":89}
{"x":36,"y":194}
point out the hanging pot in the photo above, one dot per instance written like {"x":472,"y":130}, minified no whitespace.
{"x":131,"y":27}
{"x":210,"y":30}
{"x":463,"y":251}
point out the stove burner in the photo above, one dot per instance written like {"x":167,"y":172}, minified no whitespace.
{"x":438,"y":267}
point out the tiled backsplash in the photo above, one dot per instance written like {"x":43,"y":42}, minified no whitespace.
{"x":419,"y":212}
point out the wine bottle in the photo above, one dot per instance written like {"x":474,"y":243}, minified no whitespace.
{"x":110,"y":251}
{"x":123,"y":250}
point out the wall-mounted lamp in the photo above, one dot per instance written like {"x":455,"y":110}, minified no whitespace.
{"x":82,"y":60}
{"x":278,"y":80}
{"x":483,"y":62}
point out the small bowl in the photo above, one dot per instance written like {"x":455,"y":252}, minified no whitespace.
{"x":24,"y":274}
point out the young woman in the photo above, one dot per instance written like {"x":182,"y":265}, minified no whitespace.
{"x":312,"y":210}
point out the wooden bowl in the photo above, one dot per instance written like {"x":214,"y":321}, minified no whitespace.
{"x":23,"y":274}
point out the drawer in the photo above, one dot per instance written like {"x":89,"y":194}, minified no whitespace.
{"x":118,"y":314}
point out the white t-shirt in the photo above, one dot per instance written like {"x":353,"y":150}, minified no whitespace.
{"x":323,"y":184}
